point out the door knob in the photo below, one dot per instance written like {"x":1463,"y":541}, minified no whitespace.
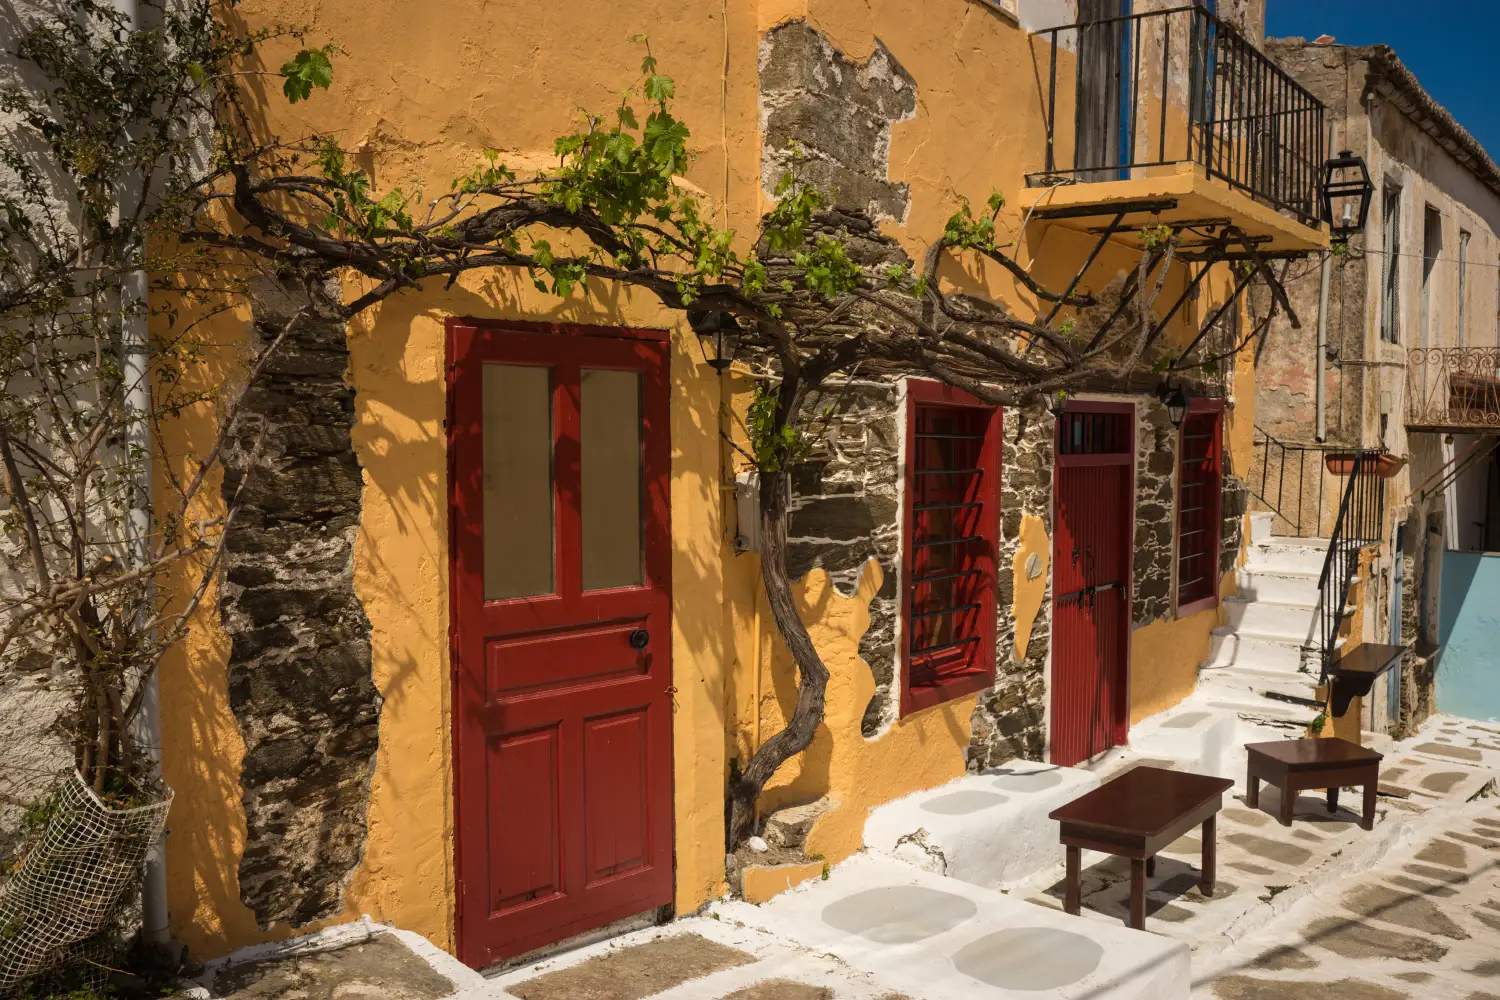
{"x":639,"y":639}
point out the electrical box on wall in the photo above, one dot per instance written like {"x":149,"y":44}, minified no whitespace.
{"x":747,"y":504}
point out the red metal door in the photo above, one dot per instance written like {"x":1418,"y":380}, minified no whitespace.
{"x":1091,"y":581}
{"x":558,"y":471}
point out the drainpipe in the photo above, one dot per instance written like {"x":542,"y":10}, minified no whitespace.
{"x":135,"y":366}
{"x":1325,"y":271}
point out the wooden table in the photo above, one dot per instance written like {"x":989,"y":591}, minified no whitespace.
{"x":1295,"y":765}
{"x":1134,"y":816}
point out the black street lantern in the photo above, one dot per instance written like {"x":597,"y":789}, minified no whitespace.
{"x":1059,"y":406}
{"x":718,"y":336}
{"x":1346,"y":194}
{"x":1176,"y":402}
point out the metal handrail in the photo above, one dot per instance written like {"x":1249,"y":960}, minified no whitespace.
{"x":1271,"y":488}
{"x":1246,"y":121}
{"x":1361,"y":516}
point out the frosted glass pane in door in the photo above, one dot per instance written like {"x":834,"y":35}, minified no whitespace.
{"x":610,"y":440}
{"x":518,"y":549}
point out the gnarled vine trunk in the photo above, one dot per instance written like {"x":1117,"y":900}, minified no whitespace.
{"x":775,"y":497}
{"x":775,"y":493}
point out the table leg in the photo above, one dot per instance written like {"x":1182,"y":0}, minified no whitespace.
{"x":1138,"y":893}
{"x":1372,"y":789}
{"x":1333,"y":798}
{"x":1288,"y":803}
{"x":1072,"y":901}
{"x":1151,"y":866}
{"x":1210,"y":855}
{"x":1252,"y":791}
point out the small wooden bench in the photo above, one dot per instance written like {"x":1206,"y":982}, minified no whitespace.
{"x":1134,"y":816}
{"x":1292,"y":766}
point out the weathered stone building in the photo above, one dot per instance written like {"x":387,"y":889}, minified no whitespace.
{"x":1419,"y":289}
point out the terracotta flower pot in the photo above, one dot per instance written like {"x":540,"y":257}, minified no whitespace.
{"x":1341,"y":463}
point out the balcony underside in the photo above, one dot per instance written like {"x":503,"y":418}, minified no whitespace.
{"x":1184,"y":197}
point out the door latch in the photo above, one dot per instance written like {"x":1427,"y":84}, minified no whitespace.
{"x":640,"y":639}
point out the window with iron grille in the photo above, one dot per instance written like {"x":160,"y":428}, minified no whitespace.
{"x":952,"y":523}
{"x":1199,"y":508}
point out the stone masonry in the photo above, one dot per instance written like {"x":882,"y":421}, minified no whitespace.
{"x":1008,"y":720}
{"x":846,"y":510}
{"x":838,"y":113}
{"x":299,"y":664}
{"x":1155,"y":511}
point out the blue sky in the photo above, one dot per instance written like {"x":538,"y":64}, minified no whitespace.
{"x":1453,"y":46}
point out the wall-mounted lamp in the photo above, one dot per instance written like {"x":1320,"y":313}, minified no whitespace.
{"x":1347,"y":188}
{"x":718,"y":336}
{"x":1176,"y":402}
{"x":1059,"y":406}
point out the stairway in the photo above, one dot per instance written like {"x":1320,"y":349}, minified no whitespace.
{"x":1263,"y":660}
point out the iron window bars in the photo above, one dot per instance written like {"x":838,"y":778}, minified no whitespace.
{"x":949,"y":544}
{"x":1198,"y":510}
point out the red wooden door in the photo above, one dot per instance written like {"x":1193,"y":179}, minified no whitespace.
{"x":1091,"y":581}
{"x":561,"y":632}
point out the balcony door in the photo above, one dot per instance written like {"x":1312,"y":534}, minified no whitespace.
{"x":561,"y":632}
{"x":1103,"y":54}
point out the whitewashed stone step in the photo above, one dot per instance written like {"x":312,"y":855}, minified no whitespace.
{"x":942,"y":939}
{"x":1243,"y":679}
{"x":989,"y":829}
{"x":1287,"y":622}
{"x":1229,"y":649}
{"x":1292,"y":557}
{"x":1198,"y":736}
{"x":1280,"y":588}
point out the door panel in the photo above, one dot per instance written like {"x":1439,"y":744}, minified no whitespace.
{"x":528,"y":865}
{"x":1091,"y":585}
{"x":616,"y":762}
{"x":559,"y":461}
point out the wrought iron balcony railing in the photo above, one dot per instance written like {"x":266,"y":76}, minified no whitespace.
{"x":1158,"y":88}
{"x":1453,"y":388}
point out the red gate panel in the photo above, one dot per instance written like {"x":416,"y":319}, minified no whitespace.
{"x":1091,"y":581}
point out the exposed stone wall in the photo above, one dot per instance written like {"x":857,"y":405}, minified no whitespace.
{"x":846,"y":510}
{"x":1009,"y":718}
{"x":299,"y":663}
{"x":1286,"y":367}
{"x":1155,"y":512}
{"x":838,"y":112}
{"x":1232,"y":534}
{"x":1249,"y":16}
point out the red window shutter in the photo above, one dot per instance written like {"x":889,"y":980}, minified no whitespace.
{"x":951,"y":537}
{"x":1199,"y":510}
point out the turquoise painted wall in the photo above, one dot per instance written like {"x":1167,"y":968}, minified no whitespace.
{"x":1468,"y":675}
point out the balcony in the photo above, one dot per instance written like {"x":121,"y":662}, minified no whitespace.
{"x":1175,"y":118}
{"x":1453,"y":389}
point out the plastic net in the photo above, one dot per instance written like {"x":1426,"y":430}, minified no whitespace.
{"x":73,"y":881}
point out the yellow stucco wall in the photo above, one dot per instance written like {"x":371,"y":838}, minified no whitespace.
{"x":423,"y":89}
{"x":919,"y":751}
{"x":1029,"y":582}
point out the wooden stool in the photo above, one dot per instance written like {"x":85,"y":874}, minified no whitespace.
{"x":1292,"y":766}
{"x":1134,"y":816}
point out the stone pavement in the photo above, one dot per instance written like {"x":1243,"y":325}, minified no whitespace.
{"x":1321,"y":910}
